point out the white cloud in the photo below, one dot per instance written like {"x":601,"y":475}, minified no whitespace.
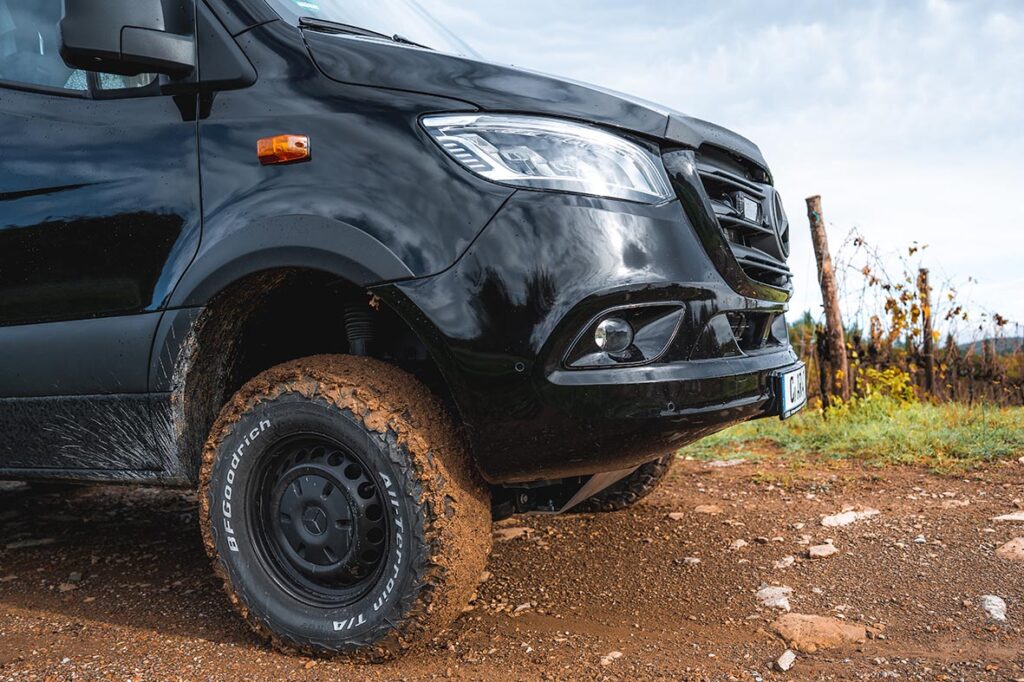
{"x":1004,"y":27}
{"x":907,"y":117}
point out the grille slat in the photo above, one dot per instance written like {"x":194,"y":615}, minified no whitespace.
{"x":740,"y":224}
{"x":750,"y":264}
{"x":711,"y":175}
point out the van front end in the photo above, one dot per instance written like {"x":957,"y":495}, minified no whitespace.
{"x":582,"y":334}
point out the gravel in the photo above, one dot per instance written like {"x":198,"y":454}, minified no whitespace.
{"x":148,"y":607}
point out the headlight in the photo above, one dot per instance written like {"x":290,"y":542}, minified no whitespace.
{"x":544,"y":153}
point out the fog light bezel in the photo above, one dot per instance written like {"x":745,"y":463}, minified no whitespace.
{"x":660,"y":319}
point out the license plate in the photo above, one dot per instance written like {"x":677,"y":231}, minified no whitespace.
{"x":792,"y":387}
{"x":750,"y":208}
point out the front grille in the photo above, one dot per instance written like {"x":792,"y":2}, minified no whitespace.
{"x":749,"y":213}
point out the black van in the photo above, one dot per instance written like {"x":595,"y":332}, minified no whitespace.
{"x":364,"y":290}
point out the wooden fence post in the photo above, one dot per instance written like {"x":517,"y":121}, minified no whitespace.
{"x":926,"y":326}
{"x":840,"y":376}
{"x":821,"y":356}
{"x":951,"y":375}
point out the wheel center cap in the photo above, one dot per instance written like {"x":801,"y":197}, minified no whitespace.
{"x":314,"y":519}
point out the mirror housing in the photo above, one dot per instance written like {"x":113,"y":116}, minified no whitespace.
{"x":130,"y":37}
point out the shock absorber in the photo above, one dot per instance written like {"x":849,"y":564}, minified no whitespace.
{"x":359,"y":328}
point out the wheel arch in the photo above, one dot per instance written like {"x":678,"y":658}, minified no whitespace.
{"x":203,"y":354}
{"x":287,"y":241}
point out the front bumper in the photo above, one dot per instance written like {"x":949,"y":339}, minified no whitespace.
{"x":500,"y":322}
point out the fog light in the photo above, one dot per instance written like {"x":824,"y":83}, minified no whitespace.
{"x":614,"y":336}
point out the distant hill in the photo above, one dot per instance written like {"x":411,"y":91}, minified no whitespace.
{"x":1003,"y":346}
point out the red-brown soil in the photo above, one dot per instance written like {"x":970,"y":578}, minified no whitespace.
{"x":122,"y":589}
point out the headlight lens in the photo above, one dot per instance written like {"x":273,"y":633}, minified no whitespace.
{"x":544,"y":153}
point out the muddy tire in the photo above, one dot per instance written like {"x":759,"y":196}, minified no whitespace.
{"x":631,"y":489}
{"x":341,"y":510}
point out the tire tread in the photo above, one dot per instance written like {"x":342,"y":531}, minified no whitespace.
{"x":630,"y":490}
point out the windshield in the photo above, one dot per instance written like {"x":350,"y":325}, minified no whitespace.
{"x":403,"y":18}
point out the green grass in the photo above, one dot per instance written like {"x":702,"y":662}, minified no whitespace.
{"x":880,"y":431}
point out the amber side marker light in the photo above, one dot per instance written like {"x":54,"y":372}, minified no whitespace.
{"x":283,"y":149}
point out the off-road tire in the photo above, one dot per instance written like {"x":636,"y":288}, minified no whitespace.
{"x":629,"y":490}
{"x":437,"y":509}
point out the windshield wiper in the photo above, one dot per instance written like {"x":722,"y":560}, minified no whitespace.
{"x":328,"y":26}
{"x":338,"y":27}
{"x":399,"y":38}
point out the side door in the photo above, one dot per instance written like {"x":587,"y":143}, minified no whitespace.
{"x":99,"y":216}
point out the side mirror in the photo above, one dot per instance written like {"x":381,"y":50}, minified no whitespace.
{"x":130,"y":37}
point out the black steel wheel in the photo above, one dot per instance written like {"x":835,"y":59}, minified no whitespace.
{"x":321,"y":521}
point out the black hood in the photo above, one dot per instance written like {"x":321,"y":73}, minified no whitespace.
{"x":493,"y":87}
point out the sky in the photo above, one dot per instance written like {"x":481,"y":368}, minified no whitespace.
{"x":907,"y":116}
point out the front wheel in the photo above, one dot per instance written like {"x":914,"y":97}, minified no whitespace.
{"x":341,"y":509}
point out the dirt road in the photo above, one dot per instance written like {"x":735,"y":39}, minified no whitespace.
{"x":113,"y":584}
